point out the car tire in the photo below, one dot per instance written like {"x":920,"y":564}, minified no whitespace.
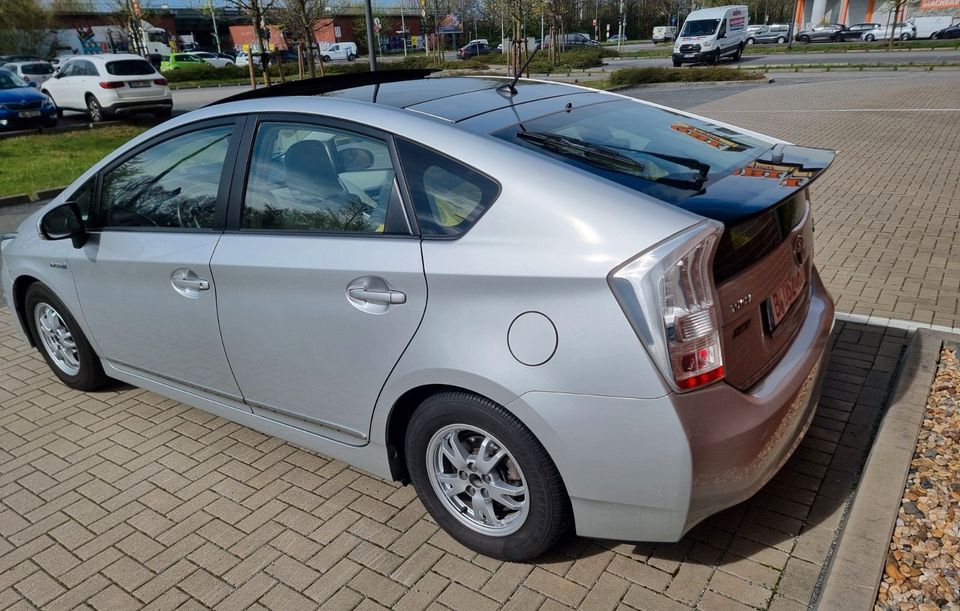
{"x":751,"y":41}
{"x":869,"y":38}
{"x":905,"y":36}
{"x":60,"y":340}
{"x":351,"y":57}
{"x":738,"y":54}
{"x":804,"y":39}
{"x":95,"y":111}
{"x":531,"y":521}
{"x":781,"y":40}
{"x":677,"y":63}
{"x":326,"y":58}
{"x":51,"y":122}
{"x":165,"y":113}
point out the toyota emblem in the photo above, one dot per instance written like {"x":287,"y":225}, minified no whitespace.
{"x":799,"y":250}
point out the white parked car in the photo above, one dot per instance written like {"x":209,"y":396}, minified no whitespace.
{"x":32,"y":72}
{"x":901,"y":31}
{"x":109,"y":84}
{"x":340,"y":50}
{"x":212,"y":58}
{"x":242,"y":59}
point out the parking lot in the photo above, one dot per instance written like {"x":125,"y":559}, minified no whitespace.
{"x":123,"y":499}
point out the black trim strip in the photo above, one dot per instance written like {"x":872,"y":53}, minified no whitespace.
{"x":326,"y":84}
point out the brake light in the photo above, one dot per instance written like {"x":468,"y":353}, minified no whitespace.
{"x":160,"y":81}
{"x":111,"y":84}
{"x":667,"y":294}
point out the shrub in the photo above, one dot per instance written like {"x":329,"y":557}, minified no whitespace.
{"x":643,"y":76}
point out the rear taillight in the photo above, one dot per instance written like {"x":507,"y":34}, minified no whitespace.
{"x":667,"y":294}
{"x":160,"y":81}
{"x":111,"y":84}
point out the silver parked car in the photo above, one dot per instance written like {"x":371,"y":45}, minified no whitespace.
{"x":544,"y":305}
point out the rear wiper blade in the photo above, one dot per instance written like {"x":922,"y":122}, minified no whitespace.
{"x":615,"y":160}
{"x":582,"y":149}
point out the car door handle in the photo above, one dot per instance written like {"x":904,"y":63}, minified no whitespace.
{"x":383,"y":297}
{"x":197,"y":284}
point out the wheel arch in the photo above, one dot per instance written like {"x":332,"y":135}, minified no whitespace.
{"x":399,"y":418}
{"x":20,"y":286}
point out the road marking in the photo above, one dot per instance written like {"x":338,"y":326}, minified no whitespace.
{"x":894,"y":323}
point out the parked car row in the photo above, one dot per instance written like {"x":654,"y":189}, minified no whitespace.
{"x":911,"y":29}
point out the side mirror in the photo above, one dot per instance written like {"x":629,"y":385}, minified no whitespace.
{"x":32,"y":84}
{"x":63,"y":222}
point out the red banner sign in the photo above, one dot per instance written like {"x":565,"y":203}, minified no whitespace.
{"x":931,"y":5}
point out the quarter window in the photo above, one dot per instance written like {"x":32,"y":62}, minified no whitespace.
{"x":310,"y":178}
{"x":448,"y":196}
{"x":171,"y":185}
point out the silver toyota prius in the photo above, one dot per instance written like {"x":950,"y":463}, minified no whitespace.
{"x":545,"y":306}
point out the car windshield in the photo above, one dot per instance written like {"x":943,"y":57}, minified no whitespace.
{"x":648,"y":149}
{"x":700,"y":27}
{"x":129,"y":67}
{"x":9,"y":80}
{"x":37,"y":69}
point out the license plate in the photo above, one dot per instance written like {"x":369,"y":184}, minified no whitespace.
{"x":784,"y":297}
{"x":29,"y":114}
{"x":135,"y":84}
{"x":689,"y":54}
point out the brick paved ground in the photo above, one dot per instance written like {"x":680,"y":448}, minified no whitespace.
{"x":122,"y":498}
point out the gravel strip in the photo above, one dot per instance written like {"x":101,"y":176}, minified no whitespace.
{"x":924,"y":560}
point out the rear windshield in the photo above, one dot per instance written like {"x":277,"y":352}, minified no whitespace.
{"x":648,"y":149}
{"x":129,"y":67}
{"x":37,"y":69}
{"x":700,"y":27}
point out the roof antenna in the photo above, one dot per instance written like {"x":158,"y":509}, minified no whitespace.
{"x":511,"y":87}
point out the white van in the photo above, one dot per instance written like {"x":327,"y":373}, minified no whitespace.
{"x":711,"y":33}
{"x":926,"y":26}
{"x":340,"y":50}
{"x":663,"y":33}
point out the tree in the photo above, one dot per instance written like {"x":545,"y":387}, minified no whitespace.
{"x":24,"y":26}
{"x":301,"y":17}
{"x":257,"y":10}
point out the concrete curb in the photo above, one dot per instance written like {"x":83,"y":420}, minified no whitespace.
{"x":29,"y":198}
{"x":857,"y":564}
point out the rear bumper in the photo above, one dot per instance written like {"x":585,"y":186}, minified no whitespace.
{"x":124,"y":107}
{"x":651,"y":469}
{"x":739,"y":440}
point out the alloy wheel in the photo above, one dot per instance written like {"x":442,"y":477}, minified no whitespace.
{"x":57,"y":340}
{"x":477,"y":480}
{"x":95,"y":110}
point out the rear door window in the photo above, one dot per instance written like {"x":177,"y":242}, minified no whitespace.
{"x":306,"y":177}
{"x":448,"y":196}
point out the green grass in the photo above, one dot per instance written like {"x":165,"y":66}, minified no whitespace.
{"x":840,"y":47}
{"x":45,"y":161}
{"x":646,"y":76}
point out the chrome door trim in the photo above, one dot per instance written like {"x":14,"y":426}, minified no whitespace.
{"x":125,"y":367}
{"x":316,"y":421}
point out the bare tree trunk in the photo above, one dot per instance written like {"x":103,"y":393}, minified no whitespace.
{"x":255,"y":14}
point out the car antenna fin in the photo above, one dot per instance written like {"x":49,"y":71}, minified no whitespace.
{"x":511,"y":87}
